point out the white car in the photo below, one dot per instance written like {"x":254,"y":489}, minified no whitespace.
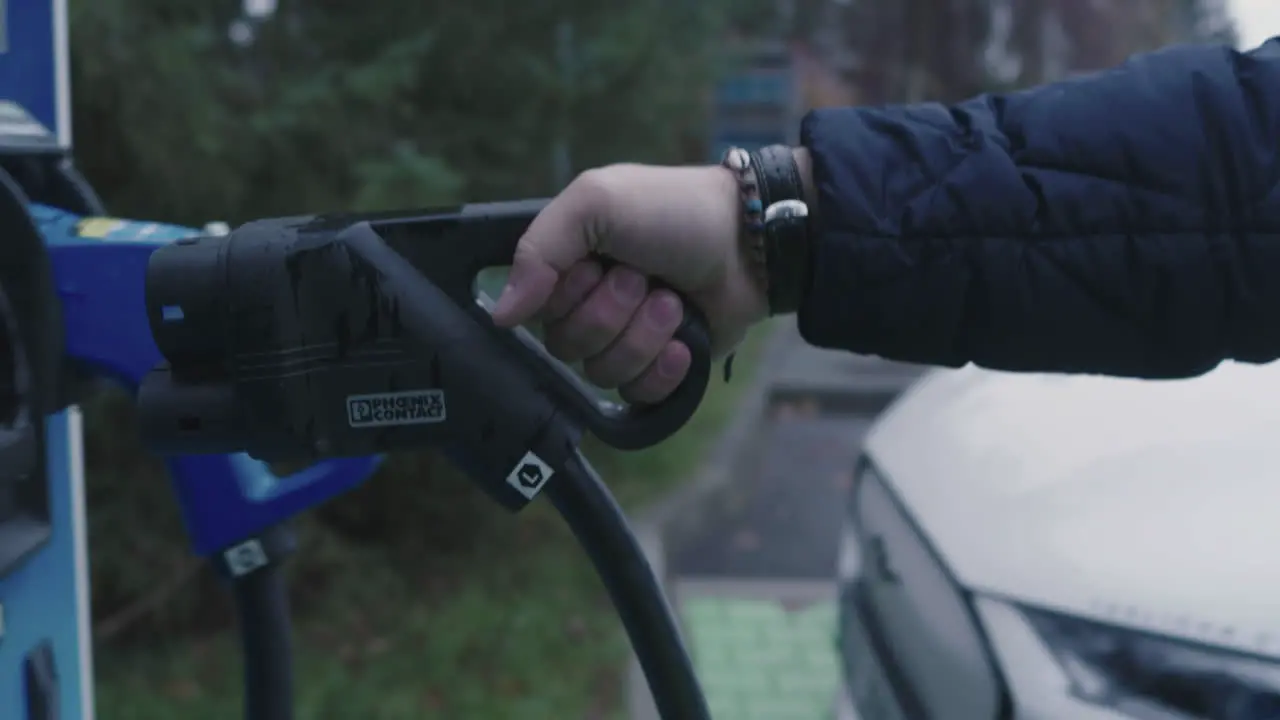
{"x":1067,"y":548}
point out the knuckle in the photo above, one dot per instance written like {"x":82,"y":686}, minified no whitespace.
{"x":587,"y":331}
{"x":662,"y":385}
{"x":623,"y":361}
{"x":583,"y":276}
{"x":634,"y":351}
{"x":594,"y":189}
{"x":664,"y":311}
{"x":600,"y":197}
{"x":596,"y":316}
{"x":558,"y":305}
{"x":526,"y":253}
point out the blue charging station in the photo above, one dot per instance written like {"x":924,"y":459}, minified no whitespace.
{"x":95,"y":266}
{"x":45,"y":642}
{"x":74,"y":310}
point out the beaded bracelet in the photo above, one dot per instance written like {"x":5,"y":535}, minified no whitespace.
{"x":738,"y":161}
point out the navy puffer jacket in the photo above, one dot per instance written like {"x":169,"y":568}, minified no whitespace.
{"x":1125,"y":223}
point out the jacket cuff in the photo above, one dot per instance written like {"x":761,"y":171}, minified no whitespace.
{"x":827,"y":316}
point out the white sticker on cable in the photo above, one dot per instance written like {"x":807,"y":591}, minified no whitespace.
{"x":530,"y":475}
{"x":245,"y":558}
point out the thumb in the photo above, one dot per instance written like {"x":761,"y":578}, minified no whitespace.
{"x":556,"y":239}
{"x":529,"y":286}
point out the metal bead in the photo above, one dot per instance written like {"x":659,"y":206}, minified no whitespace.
{"x":737,"y":159}
{"x":786,"y":209}
{"x":216,"y":229}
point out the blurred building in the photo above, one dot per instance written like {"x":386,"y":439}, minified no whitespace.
{"x":840,"y":52}
{"x":756,"y":104}
{"x":1099,"y":34}
{"x":800,"y":61}
{"x":950,"y":49}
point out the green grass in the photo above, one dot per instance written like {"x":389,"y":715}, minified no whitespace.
{"x":525,"y":632}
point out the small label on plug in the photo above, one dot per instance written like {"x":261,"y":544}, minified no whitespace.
{"x":530,"y":475}
{"x":245,"y":558}
{"x":411,"y":407}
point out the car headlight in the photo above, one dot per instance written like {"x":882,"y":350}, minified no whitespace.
{"x":1151,"y":678}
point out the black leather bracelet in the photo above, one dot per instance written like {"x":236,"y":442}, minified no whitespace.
{"x":786,"y":227}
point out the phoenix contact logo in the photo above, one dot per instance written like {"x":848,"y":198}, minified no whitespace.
{"x":411,"y":407}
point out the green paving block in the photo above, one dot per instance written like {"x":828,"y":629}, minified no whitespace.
{"x":735,"y":677}
{"x":755,"y":611}
{"x":822,"y":657}
{"x":708,"y":656}
{"x":805,"y":683}
{"x":709,"y":639}
{"x":781,"y":708}
{"x":698,"y":608}
{"x":758,"y":661}
{"x":718,"y":639}
{"x":820,"y":620}
{"x":724,"y":707}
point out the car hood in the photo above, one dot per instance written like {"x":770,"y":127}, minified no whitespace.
{"x":1117,"y":500}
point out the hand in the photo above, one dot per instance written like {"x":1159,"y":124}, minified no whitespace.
{"x":677,"y":224}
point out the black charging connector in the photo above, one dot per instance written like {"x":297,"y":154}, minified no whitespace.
{"x":329,"y":336}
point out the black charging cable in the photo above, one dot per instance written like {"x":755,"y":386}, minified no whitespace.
{"x":255,"y":570}
{"x":574,"y":489}
{"x":577,"y":493}
{"x":602,"y":529}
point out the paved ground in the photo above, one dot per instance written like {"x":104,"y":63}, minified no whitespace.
{"x":782,"y":519}
{"x":783,"y":522}
{"x":754,"y":584}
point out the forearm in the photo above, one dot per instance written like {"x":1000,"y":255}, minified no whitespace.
{"x":1124,"y":224}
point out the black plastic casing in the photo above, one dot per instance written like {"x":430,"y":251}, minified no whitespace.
{"x":293,"y":346}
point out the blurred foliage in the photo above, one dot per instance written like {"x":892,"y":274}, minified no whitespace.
{"x":339,"y":104}
{"x":336,"y":105}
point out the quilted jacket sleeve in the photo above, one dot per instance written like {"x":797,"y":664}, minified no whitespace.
{"x":1125,"y":223}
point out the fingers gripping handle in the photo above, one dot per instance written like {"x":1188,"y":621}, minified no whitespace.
{"x":628,"y":426}
{"x":493,"y":231}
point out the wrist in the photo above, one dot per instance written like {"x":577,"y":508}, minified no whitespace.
{"x":774,"y":184}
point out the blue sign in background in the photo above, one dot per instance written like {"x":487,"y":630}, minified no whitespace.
{"x":34,"y":66}
{"x":753,"y":108}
